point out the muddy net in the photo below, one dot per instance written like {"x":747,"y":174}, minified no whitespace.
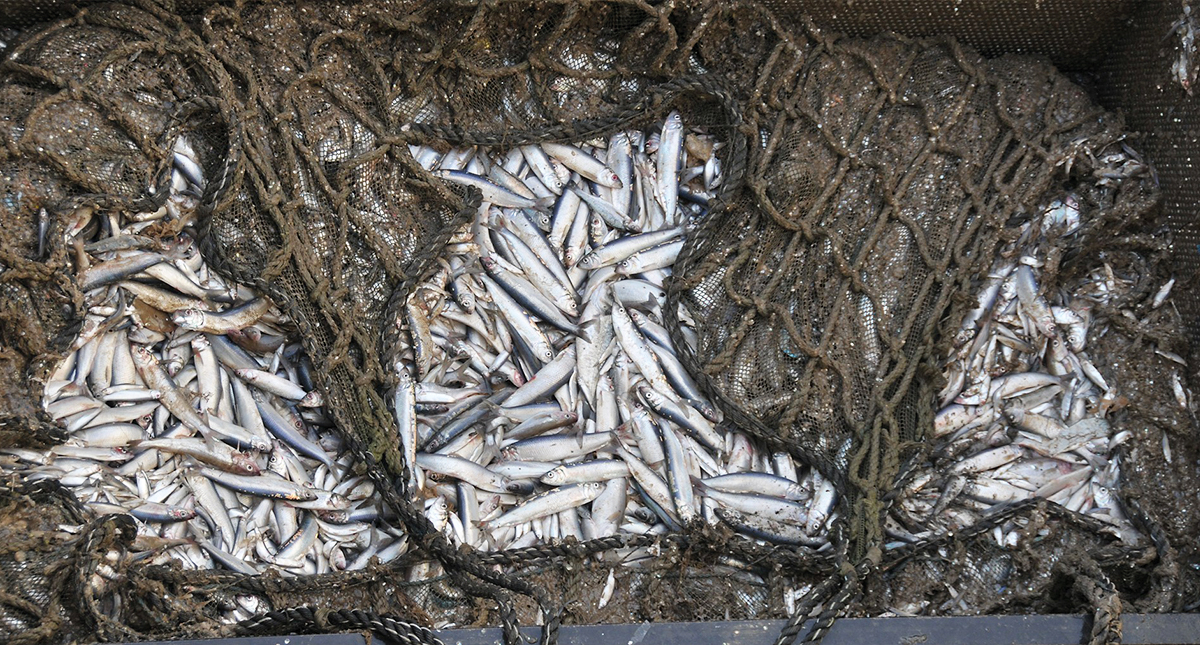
{"x":828,"y":298}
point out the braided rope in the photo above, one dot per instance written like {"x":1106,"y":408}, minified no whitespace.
{"x":389,"y":628}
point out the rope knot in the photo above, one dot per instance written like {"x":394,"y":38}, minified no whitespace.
{"x":321,"y":619}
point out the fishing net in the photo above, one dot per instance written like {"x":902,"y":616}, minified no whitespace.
{"x":869,"y":182}
{"x":880,"y":190}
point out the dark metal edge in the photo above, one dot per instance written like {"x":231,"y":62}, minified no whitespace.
{"x":1138,"y":629}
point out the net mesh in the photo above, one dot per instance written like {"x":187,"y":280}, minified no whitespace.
{"x":878,"y":193}
{"x":870,"y":180}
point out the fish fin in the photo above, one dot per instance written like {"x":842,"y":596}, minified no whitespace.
{"x":581,"y":331}
{"x":493,"y":406}
{"x":492,"y":451}
{"x":210,"y":440}
{"x":609,"y":357}
{"x":210,"y":436}
{"x":71,"y":389}
{"x":544,"y":204}
{"x":647,"y":304}
{"x":219,"y":295}
{"x":562,"y":343}
{"x":495,"y":220}
{"x":498,"y":410}
{"x":625,"y":436}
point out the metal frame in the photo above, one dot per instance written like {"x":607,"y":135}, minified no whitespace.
{"x":1137,"y":629}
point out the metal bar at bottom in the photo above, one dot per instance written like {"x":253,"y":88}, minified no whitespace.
{"x":1143,"y":629}
{"x":1138,"y":629}
{"x":301,"y":639}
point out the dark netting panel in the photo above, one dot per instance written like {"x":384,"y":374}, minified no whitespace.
{"x":1051,"y":29}
{"x":1150,"y":75}
{"x":868,"y":183}
{"x":872,"y":206}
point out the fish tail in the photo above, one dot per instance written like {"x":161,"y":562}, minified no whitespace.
{"x":544,"y":204}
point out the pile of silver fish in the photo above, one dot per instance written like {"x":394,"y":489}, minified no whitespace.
{"x":190,"y":406}
{"x":540,"y":397}
{"x":1024,"y":409}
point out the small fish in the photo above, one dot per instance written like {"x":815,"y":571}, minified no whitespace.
{"x":239,"y":317}
{"x":492,"y":193}
{"x":219,"y":454}
{"x":552,"y":501}
{"x":584,"y":164}
{"x":111,"y":271}
{"x":43,"y":231}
